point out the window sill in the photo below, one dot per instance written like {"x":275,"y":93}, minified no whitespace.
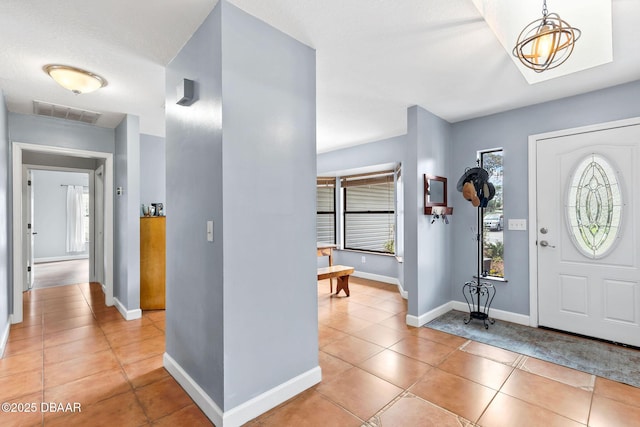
{"x":365,"y":252}
{"x":492,"y":278}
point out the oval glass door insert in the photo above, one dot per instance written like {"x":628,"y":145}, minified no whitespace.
{"x":594,"y":206}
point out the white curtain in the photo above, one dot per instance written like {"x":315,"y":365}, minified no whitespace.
{"x":75,"y":225}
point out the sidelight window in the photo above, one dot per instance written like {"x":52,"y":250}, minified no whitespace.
{"x":493,"y":220}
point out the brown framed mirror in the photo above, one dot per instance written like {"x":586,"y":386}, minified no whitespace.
{"x":435,"y":193}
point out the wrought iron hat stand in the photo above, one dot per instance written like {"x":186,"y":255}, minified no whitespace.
{"x":479,"y":295}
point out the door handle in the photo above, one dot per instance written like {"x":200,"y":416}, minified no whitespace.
{"x":545,"y":244}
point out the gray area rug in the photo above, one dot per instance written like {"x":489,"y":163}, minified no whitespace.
{"x":595,"y":357}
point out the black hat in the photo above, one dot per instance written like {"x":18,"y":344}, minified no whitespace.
{"x":492,"y":191}
{"x":476,"y":175}
{"x":486,"y":193}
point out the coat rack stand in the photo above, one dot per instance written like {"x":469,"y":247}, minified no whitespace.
{"x":479,"y":295}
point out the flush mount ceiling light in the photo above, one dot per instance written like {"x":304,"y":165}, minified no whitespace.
{"x":546,"y":43}
{"x":75,"y":79}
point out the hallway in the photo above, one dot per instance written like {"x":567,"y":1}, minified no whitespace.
{"x":48,"y":274}
{"x":71,"y":348}
{"x":376,"y":370}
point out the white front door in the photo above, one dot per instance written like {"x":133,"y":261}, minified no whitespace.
{"x":588,"y":233}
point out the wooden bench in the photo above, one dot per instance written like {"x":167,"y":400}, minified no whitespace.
{"x":341,"y":272}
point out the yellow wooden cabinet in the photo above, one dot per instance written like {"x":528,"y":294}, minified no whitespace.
{"x":152,"y":262}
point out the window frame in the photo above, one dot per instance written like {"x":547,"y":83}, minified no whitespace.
{"x":361,"y":180}
{"x":486,"y":274}
{"x":327,"y":182}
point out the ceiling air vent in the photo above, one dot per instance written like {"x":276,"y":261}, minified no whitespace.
{"x":62,"y":112}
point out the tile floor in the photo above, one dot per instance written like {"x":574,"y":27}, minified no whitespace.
{"x":72,"y":348}
{"x":377,"y":372}
{"x":47,"y":274}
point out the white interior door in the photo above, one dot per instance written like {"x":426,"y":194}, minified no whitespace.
{"x":588,"y":237}
{"x":29,"y":227}
{"x":98,"y":218}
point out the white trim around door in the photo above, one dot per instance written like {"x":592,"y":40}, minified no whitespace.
{"x":533,"y":208}
{"x":17,"y":245}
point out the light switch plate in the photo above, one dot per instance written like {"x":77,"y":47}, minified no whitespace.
{"x":518,"y":224}
{"x":209,"y":231}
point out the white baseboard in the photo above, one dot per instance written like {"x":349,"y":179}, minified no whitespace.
{"x":60,"y":258}
{"x":250,"y":409}
{"x":202,"y":399}
{"x":4,"y":337}
{"x":383,"y":279}
{"x":127,"y":314}
{"x":417,"y":321}
{"x":271,"y":398}
{"x":404,"y":294}
{"x":507,"y":316}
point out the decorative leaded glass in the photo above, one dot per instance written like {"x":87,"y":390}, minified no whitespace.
{"x":594,"y":206}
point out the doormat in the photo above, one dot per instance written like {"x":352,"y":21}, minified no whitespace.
{"x":595,"y":357}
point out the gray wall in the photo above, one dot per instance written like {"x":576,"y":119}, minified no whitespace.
{"x":256,"y":181}
{"x":511,"y":130}
{"x":126,"y":239}
{"x":60,"y":133}
{"x":382,"y":152}
{"x":46,"y":159}
{"x":426,"y":246}
{"x":194,"y":288}
{"x":153,"y":182}
{"x":50,"y":212}
{"x":269,"y":171}
{"x":6,"y":293}
{"x":426,"y":148}
{"x":382,"y":265}
{"x":430,"y":268}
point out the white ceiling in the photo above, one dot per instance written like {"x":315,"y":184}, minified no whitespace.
{"x":375,"y":58}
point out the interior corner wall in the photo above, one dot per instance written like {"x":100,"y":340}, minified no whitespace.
{"x":153,"y":183}
{"x":126,"y":242}
{"x":389,"y":150}
{"x":194,"y":280}
{"x":381,"y":152}
{"x":269,"y":182}
{"x":511,"y":130}
{"x":6,"y":294}
{"x":427,"y":259}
